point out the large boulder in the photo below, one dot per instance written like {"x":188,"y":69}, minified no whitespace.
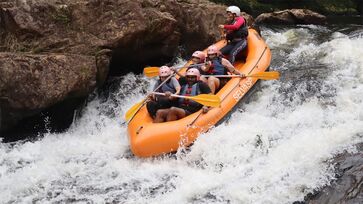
{"x":291,"y":16}
{"x":348,"y":186}
{"x":41,"y":37}
{"x":137,"y":31}
{"x":30,"y":83}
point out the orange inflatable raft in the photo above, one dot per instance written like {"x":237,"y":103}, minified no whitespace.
{"x":152,"y":139}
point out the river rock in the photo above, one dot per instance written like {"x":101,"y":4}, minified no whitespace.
{"x":137,"y":31}
{"x":30,"y":83}
{"x":108,"y":36}
{"x":291,"y":16}
{"x":348,"y":186}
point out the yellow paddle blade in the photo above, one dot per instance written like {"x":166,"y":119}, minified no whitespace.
{"x":206,"y":99}
{"x":133,"y":110}
{"x":151,"y":71}
{"x":266,"y":75}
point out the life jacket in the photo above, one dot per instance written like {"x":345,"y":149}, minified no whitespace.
{"x":187,"y":90}
{"x":217,"y":67}
{"x":242,"y":32}
{"x":199,"y":67}
{"x":168,"y":86}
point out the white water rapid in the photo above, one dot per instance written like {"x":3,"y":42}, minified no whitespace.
{"x":275,"y":149}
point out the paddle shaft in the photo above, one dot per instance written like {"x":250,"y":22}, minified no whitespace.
{"x":195,"y":65}
{"x":133,"y":113}
{"x":190,"y":66}
{"x":223,"y":76}
{"x":204,"y":99}
{"x":154,"y":71}
{"x":174,"y":95}
{"x":259,"y":75}
{"x":162,"y":83}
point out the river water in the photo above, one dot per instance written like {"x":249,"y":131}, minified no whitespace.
{"x":275,"y":149}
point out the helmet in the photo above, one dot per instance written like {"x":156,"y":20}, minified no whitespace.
{"x":212,"y":50}
{"x":234,"y":9}
{"x":193,"y":72}
{"x":199,"y":55}
{"x":164,"y":71}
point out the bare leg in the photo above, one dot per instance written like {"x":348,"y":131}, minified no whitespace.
{"x":161,"y":115}
{"x":203,"y":79}
{"x":213,"y":84}
{"x":175,"y":114}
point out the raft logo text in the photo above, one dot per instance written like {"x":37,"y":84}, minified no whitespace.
{"x":242,"y":89}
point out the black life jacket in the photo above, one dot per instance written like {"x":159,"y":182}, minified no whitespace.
{"x":187,"y":90}
{"x":241,"y":33}
{"x":217,"y":67}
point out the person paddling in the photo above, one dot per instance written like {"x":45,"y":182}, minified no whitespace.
{"x":236,"y":33}
{"x":217,"y":65}
{"x":185,"y":107}
{"x":172,"y":86}
{"x":198,"y":61}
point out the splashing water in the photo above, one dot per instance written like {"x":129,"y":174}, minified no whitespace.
{"x":275,"y":149}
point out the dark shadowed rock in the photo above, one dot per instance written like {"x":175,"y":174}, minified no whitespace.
{"x":292,"y":16}
{"x":103,"y":58}
{"x":348,"y":188}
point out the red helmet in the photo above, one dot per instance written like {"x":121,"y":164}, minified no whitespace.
{"x":212,"y":50}
{"x":193,"y":72}
{"x":200,"y":55}
{"x":164,"y":71}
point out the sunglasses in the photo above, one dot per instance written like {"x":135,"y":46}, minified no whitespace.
{"x":191,"y":77}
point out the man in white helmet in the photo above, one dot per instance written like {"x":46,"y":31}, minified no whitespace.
{"x":236,"y":33}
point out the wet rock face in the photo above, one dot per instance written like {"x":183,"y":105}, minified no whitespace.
{"x":292,"y":16}
{"x":44,"y":79}
{"x":348,"y":188}
{"x":98,"y":37}
{"x":30,"y":83}
{"x":137,"y":31}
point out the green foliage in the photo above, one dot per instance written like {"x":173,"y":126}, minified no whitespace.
{"x":327,"y":7}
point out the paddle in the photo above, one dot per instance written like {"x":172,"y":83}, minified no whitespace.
{"x":204,"y":99}
{"x":135,"y":108}
{"x":260,"y":75}
{"x":154,"y":71}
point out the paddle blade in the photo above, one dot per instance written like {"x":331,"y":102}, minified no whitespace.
{"x":133,"y":110}
{"x":206,"y":99}
{"x":151,"y":71}
{"x":266,"y":75}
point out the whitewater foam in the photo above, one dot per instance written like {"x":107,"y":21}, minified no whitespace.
{"x":275,"y":149}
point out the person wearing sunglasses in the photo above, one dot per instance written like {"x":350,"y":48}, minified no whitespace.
{"x":184,"y":106}
{"x":198,"y":60}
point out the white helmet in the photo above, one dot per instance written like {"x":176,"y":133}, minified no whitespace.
{"x":193,"y":72}
{"x":165,"y":71}
{"x":234,"y":9}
